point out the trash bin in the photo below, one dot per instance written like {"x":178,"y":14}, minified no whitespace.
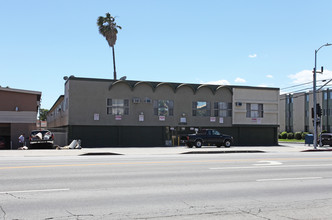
{"x":309,"y":139}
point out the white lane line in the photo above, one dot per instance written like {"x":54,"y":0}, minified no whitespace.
{"x":269,"y":166}
{"x":285,"y":179}
{"x":37,"y":190}
{"x":267,"y":163}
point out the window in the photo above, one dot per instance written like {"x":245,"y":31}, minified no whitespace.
{"x":117,"y":106}
{"x":254,"y":110}
{"x":163,"y":107}
{"x":201,"y":108}
{"x":307,"y":97}
{"x":222,"y":109}
{"x":289,"y":99}
{"x":214,"y":132}
{"x":325,"y":95}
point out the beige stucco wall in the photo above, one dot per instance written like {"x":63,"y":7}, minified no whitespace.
{"x":87,"y":98}
{"x":268,"y":97}
{"x":298,"y":112}
{"x":84,"y":99}
{"x":282,"y":113}
{"x":58,"y":114}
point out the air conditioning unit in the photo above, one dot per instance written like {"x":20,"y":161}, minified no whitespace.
{"x":136,"y":100}
{"x":238,"y":103}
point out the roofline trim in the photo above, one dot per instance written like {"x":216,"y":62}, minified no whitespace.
{"x":20,"y":91}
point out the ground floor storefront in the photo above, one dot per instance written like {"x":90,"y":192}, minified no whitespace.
{"x":9,"y":133}
{"x":148,"y":136}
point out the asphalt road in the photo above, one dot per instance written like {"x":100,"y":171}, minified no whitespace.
{"x":213,"y":186}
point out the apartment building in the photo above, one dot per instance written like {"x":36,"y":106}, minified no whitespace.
{"x":18,"y":114}
{"x":296,"y":111}
{"x":103,"y":112}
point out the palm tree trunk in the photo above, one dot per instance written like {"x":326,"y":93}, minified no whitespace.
{"x":114,"y":62}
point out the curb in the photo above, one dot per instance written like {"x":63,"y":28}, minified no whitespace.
{"x":316,"y":150}
{"x":99,"y":154}
{"x":223,"y":152}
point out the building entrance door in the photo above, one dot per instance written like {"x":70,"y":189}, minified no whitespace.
{"x":4,"y":136}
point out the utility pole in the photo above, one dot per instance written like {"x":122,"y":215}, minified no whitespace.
{"x":314,"y":95}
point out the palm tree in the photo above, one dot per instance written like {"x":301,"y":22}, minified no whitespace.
{"x":109,"y":29}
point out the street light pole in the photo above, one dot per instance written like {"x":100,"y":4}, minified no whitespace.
{"x":315,"y":97}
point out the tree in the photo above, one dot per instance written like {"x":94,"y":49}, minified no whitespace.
{"x":42,"y":114}
{"x":109,"y":29}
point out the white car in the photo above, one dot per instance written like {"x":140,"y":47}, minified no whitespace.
{"x":41,"y":138}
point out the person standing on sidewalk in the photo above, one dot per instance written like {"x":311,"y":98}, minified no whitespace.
{"x":21,"y":140}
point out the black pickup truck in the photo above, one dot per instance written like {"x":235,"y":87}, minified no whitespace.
{"x":207,"y":137}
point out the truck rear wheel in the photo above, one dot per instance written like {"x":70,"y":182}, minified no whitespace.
{"x":198,"y":143}
{"x":189,"y":145}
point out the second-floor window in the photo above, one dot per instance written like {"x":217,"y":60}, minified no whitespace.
{"x":307,"y":97}
{"x":222,"y":109}
{"x":163,"y":107}
{"x":201,"y":108}
{"x":117,"y":107}
{"x":254,"y":110}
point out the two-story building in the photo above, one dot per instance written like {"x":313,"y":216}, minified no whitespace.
{"x":18,"y":114}
{"x":103,"y":112}
{"x":296,"y":111}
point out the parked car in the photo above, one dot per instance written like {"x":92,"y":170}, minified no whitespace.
{"x":208,"y":136}
{"x":41,"y":138}
{"x":326,"y":139}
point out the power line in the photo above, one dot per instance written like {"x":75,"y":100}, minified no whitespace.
{"x":322,"y":80}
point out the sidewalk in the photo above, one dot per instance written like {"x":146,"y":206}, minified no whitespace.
{"x":283,"y":147}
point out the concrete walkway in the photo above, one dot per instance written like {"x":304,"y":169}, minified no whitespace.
{"x":283,"y":147}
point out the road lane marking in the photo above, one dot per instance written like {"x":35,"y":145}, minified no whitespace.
{"x":285,"y":179}
{"x":281,"y":166}
{"x":267,"y":163}
{"x":162,"y":162}
{"x":34,"y":190}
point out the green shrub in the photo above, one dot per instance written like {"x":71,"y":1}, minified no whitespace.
{"x":298,"y":135}
{"x":283,"y":135}
{"x":290,"y":135}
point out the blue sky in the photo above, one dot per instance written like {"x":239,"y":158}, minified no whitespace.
{"x":238,"y":42}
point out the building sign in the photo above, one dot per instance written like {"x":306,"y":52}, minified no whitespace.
{"x":183,"y":120}
{"x":141,"y":118}
{"x":118,"y":117}
{"x":162,"y":118}
{"x":212,"y":119}
{"x":221,"y":120}
{"x":96,"y":117}
{"x":41,"y":124}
